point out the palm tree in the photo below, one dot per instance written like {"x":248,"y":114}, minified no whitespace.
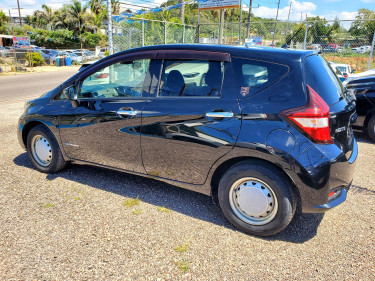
{"x":115,"y":7}
{"x":46,"y":15}
{"x":96,"y":21}
{"x":59,"y":19}
{"x":96,"y":6}
{"x":77,"y":15}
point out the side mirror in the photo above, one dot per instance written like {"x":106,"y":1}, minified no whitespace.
{"x":71,"y":94}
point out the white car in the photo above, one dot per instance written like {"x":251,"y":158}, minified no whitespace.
{"x":362,"y":49}
{"x":345,"y":69}
{"x":367,"y":73}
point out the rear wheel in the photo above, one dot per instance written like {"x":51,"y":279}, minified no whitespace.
{"x":44,"y":151}
{"x":257,"y":198}
{"x":371,"y":128}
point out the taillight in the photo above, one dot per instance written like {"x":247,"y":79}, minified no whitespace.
{"x":346,"y":75}
{"x":312,"y":118}
{"x":101,"y":75}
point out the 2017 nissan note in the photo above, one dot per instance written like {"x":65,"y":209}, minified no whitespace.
{"x":262,"y":130}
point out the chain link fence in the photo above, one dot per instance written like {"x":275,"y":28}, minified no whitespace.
{"x":144,"y":32}
{"x":342,"y":42}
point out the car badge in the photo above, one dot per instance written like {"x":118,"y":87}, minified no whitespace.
{"x":245,"y":91}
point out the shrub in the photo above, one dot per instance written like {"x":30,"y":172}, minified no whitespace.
{"x":35,"y":59}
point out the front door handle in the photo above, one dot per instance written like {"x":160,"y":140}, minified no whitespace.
{"x":219,"y":114}
{"x":127,"y":112}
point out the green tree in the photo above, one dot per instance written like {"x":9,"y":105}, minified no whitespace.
{"x":76,"y":14}
{"x":364,"y":25}
{"x":115,"y":7}
{"x":46,"y":16}
{"x":3,"y":18}
{"x":318,"y":29}
{"x":96,"y":6}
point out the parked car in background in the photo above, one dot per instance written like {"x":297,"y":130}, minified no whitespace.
{"x":342,"y":70}
{"x":102,"y":52}
{"x":262,"y":130}
{"x":362,"y":49}
{"x":365,"y":93}
{"x":333,"y":48}
{"x":315,"y":47}
{"x":368,"y":73}
{"x":71,"y":55}
{"x":84,"y":54}
{"x":4,"y":52}
{"x":49,"y":55}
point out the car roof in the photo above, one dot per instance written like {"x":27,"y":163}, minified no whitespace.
{"x":280,"y":55}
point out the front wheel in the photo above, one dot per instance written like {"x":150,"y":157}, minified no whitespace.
{"x":257,"y":198}
{"x":44,"y":151}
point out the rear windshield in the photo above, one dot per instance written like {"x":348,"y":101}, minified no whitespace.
{"x":321,"y":77}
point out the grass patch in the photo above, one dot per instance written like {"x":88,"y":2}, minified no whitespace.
{"x":184,"y":266}
{"x":182,"y":248}
{"x":131,"y":202}
{"x":47,"y":205}
{"x":163,"y":209}
{"x":137,"y":212}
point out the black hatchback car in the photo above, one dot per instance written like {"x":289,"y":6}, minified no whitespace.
{"x":261,"y":130}
{"x":364,"y":89}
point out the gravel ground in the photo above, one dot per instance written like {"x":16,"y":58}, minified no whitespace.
{"x":74,"y":226}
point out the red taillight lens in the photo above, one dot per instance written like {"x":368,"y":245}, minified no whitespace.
{"x":312,"y":118}
{"x":101,"y":75}
{"x":346,"y":76}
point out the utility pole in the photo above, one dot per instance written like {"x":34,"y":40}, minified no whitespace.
{"x":182,"y":12}
{"x":10,"y":17}
{"x":277,"y":15}
{"x":239,"y":25}
{"x":221,"y":29}
{"x":249,"y":18}
{"x":109,"y":17}
{"x":19,"y":11}
{"x":290,"y":8}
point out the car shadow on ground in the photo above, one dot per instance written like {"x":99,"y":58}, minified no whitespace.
{"x":302,"y":228}
{"x":362,"y":137}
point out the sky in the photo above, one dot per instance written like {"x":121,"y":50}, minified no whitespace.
{"x":329,"y":9}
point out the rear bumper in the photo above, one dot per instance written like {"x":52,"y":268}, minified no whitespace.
{"x":320,"y":170}
{"x":329,"y":205}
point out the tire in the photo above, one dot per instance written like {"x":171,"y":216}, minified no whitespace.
{"x":45,"y":160}
{"x":371,"y":128}
{"x":270,"y":192}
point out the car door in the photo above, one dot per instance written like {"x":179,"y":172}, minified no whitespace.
{"x":104,"y":127}
{"x":191,"y":118}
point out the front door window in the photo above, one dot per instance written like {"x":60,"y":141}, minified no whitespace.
{"x":122,"y":79}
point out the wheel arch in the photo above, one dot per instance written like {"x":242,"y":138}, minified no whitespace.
{"x":27,"y":127}
{"x":220,"y":170}
{"x":367,"y":119}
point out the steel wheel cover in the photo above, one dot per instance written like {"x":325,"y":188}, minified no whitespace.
{"x":41,"y":150}
{"x":253,"y":201}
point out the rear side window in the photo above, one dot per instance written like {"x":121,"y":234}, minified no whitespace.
{"x":252,"y":75}
{"x":321,"y":77}
{"x":190,"y":78}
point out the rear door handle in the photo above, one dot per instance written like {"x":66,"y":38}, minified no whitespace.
{"x":219,"y":114}
{"x":127,"y":112}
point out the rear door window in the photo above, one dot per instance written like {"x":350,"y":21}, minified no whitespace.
{"x":321,"y":77}
{"x":186,"y":78}
{"x":253,"y":76}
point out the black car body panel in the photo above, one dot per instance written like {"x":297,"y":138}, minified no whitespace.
{"x":174,"y":139}
{"x":365,"y":93}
